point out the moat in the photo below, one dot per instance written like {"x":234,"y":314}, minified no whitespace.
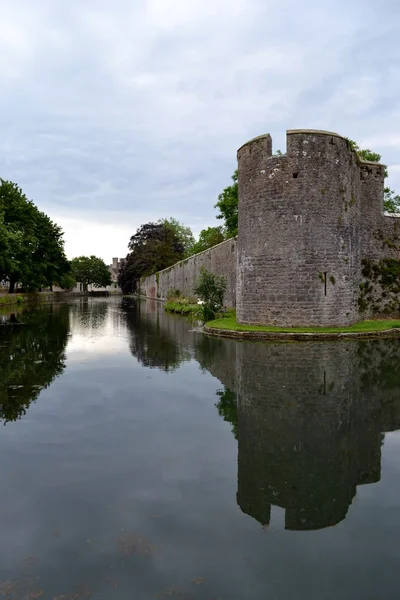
{"x":142,"y":459}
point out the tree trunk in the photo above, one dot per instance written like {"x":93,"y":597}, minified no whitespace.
{"x":12,"y":286}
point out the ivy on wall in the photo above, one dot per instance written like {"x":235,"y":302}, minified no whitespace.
{"x":391,"y":242}
{"x":380,"y":290}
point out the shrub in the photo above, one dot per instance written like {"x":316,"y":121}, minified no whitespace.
{"x":180,"y":307}
{"x":173,"y":293}
{"x":210,"y":289}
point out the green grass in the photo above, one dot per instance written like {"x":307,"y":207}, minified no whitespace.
{"x":230,"y":323}
{"x":180,"y":307}
{"x":10,"y":299}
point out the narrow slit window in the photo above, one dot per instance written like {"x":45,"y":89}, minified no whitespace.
{"x":325,"y":281}
{"x":295,"y":175}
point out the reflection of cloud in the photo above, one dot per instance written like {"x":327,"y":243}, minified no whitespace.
{"x":96,"y":330}
{"x":138,"y":108}
{"x":82,"y":348}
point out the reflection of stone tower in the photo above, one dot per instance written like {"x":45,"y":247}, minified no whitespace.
{"x":299,"y":243}
{"x":307,"y":437}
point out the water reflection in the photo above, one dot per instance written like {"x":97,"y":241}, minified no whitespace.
{"x":157,"y":340}
{"x":309,"y":418}
{"x":31,"y":357}
{"x":310,"y":422}
{"x":88,"y":314}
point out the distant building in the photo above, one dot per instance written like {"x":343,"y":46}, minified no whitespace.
{"x":115,"y":267}
{"x":114,"y":288}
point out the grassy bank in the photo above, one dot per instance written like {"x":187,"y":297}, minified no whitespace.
{"x":229,"y":324}
{"x":180,"y":307}
{"x":19,"y":299}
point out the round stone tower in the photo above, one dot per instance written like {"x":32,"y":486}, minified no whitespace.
{"x":299,"y":241}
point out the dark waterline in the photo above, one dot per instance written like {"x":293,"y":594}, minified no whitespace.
{"x":140,"y":459}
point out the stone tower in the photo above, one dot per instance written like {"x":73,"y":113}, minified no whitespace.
{"x":300,"y":237}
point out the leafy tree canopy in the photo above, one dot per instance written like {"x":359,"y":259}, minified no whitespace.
{"x":210,"y":289}
{"x":91,"y":269}
{"x":31,"y":245}
{"x":183,"y":233}
{"x":228,"y":207}
{"x":208,"y":238}
{"x":155,"y":246}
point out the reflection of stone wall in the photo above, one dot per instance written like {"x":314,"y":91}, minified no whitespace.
{"x":310,"y":419}
{"x":299,"y":413}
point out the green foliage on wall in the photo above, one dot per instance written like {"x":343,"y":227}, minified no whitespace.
{"x":380,"y":290}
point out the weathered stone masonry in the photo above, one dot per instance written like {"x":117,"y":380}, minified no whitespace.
{"x":313,"y":239}
{"x":182,"y":276}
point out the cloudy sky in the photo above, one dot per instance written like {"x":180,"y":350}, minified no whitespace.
{"x":116,"y":113}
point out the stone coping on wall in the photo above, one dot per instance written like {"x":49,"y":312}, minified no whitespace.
{"x":254,"y":139}
{"x":299,"y":337}
{"x":185,"y":260}
{"x":315,"y":132}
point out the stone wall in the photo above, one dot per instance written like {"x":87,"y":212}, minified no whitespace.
{"x":309,"y":223}
{"x":182,"y":276}
{"x":299,"y":231}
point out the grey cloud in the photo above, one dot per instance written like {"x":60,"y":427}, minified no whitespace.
{"x":139,"y":108}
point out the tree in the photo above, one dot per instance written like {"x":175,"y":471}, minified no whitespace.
{"x":90,"y":269}
{"x":210,"y":289}
{"x":183,"y":233}
{"x":228,"y":207}
{"x":49,"y":258}
{"x":155,"y":246}
{"x":208,"y":238}
{"x":31,"y":245}
{"x":391,"y":201}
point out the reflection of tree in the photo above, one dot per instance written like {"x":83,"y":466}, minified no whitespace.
{"x":88,"y":314}
{"x":227,"y":408}
{"x":31,"y":357}
{"x":152,"y":341}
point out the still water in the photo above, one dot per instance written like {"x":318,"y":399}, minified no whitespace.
{"x":140,"y":459}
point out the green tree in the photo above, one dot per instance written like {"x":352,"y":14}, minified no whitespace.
{"x":67,"y":282}
{"x":184,"y":234}
{"x":90,"y":270}
{"x":155,"y":246}
{"x":228,"y":207}
{"x":31,"y":245}
{"x":49,"y":259}
{"x":208,"y":238}
{"x":210,"y":289}
{"x":391,"y":200}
